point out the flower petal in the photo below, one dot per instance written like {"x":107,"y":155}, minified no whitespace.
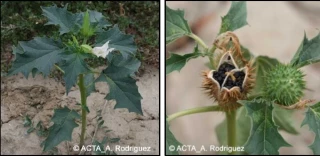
{"x":106,"y":45}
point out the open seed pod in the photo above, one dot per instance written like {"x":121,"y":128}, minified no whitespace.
{"x":228,"y":83}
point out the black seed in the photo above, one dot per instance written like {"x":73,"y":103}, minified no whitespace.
{"x":225,"y":67}
{"x":242,"y":73}
{"x":236,"y":74}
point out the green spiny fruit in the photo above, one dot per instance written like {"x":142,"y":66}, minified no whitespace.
{"x":284,"y":84}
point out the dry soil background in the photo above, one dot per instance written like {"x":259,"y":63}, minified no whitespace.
{"x":275,"y":29}
{"x":37,"y":97}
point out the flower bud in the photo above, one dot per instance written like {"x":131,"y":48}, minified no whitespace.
{"x":86,"y":29}
{"x":86,"y":48}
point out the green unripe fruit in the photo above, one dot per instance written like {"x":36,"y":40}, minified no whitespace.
{"x":284,"y":84}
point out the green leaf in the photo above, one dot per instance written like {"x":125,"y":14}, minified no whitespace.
{"x":125,"y":91}
{"x":264,"y":137}
{"x":101,"y":146}
{"x":39,"y":124}
{"x":89,"y":83}
{"x":41,"y":130}
{"x":122,"y":87}
{"x":176,"y":25}
{"x":108,"y":131}
{"x":313,"y":120}
{"x":99,"y":118}
{"x":100,"y":123}
{"x":17,"y":50}
{"x":123,"y":66}
{"x":114,"y":140}
{"x":262,"y":65}
{"x":62,"y":17}
{"x":99,"y":112}
{"x":177,"y":62}
{"x":104,"y":140}
{"x":31,"y":129}
{"x":283,"y":118}
{"x":34,"y":72}
{"x":118,"y":40}
{"x":308,"y":52}
{"x":171,"y":141}
{"x":40,"y":53}
{"x":85,"y":108}
{"x":27,"y":121}
{"x":73,"y":65}
{"x":242,"y":130}
{"x":61,"y":130}
{"x":98,"y":152}
{"x":235,"y":18}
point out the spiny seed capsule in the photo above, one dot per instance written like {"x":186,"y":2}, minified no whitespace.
{"x":284,"y":84}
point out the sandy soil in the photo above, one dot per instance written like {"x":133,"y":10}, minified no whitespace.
{"x":37,"y":97}
{"x":276,"y":30}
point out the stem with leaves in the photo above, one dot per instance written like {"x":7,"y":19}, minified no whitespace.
{"x":231,"y":126}
{"x":207,"y":51}
{"x":83,"y":106}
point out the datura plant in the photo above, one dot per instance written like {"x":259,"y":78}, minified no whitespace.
{"x":258,"y":94}
{"x":83,"y":36}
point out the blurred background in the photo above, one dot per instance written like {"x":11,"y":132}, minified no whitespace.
{"x":275,"y":29}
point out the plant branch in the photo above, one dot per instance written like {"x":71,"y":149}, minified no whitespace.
{"x":193,"y":111}
{"x":231,"y":126}
{"x":83,"y":106}
{"x":96,"y":129}
{"x":97,"y":126}
{"x":198,"y":40}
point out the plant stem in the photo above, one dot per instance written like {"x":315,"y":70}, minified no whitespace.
{"x":231,"y":126}
{"x":210,"y":52}
{"x":85,"y":40}
{"x":193,"y":111}
{"x":59,"y":68}
{"x":83,"y":106}
{"x":212,"y":49}
{"x":199,"y":40}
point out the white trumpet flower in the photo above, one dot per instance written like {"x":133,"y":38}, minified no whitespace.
{"x":102,"y":51}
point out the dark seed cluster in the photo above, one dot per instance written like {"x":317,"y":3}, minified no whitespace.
{"x":239,"y":75}
{"x":220,"y":74}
